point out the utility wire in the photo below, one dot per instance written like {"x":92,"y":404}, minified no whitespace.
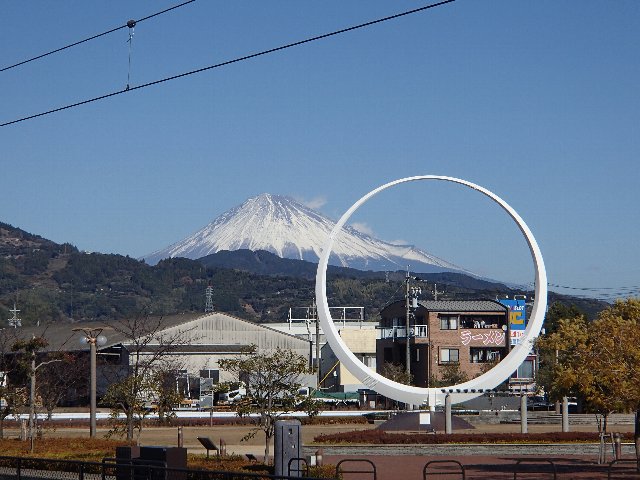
{"x":632,"y":287}
{"x":229,"y":62}
{"x":93,"y":37}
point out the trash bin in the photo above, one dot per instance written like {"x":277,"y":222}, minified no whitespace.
{"x":125,"y":457}
{"x":161,"y":459}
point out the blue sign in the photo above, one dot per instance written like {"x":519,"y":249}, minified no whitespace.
{"x":517,"y":318}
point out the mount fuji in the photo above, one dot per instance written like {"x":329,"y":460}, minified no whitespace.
{"x":289,"y":229}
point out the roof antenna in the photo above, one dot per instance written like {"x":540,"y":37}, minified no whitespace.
{"x":131,"y":24}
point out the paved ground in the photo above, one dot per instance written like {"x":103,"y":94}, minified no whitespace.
{"x":477,"y":467}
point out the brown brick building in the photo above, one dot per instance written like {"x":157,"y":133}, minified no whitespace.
{"x":471,"y":333}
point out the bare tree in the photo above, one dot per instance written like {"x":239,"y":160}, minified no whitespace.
{"x":151,"y":350}
{"x":57,"y":379}
{"x":29,"y":351}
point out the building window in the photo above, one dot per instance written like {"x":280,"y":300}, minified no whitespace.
{"x":483,"y":355}
{"x":213,"y":374}
{"x":448,"y":322}
{"x":525,"y":370}
{"x":481,"y":321}
{"x":369,"y":360}
{"x":449,"y":355}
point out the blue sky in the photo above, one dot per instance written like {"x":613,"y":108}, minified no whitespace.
{"x":536,"y":101}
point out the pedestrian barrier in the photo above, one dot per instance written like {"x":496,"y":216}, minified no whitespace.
{"x":458,"y":469}
{"x":531,"y":464}
{"x":299,"y":471}
{"x":340,"y":472}
{"x":623,"y":468}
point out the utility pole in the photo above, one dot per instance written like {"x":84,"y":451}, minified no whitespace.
{"x":411,"y":302}
{"x":314,"y":312}
{"x":408,"y":323}
{"x":436,"y":292}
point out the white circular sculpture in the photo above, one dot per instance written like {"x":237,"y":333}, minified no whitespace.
{"x":433,"y":396}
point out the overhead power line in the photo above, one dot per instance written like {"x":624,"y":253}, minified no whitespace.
{"x":94,"y":36}
{"x":229,"y":62}
{"x":602,"y":293}
{"x":632,"y":287}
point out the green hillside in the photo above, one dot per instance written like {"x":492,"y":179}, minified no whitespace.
{"x":58,"y":283}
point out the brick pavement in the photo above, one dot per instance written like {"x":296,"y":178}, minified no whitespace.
{"x":401,"y":467}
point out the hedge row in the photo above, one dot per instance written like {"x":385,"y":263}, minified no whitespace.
{"x":190,"y":422}
{"x":382,"y":437}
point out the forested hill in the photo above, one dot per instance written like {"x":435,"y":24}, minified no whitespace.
{"x":58,"y":283}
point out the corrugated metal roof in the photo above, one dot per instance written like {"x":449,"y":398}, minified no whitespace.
{"x":462,"y":305}
{"x":62,"y":337}
{"x":234,"y":348}
{"x":227,"y":329}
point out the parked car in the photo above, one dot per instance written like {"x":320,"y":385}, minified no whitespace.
{"x":540,"y":403}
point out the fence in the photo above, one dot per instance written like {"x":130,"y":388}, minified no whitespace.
{"x":17,"y":468}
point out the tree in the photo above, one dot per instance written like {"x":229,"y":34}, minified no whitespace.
{"x":597,"y":361}
{"x":562,"y":358}
{"x":450,"y":374}
{"x":129,"y":397}
{"x":11,"y":396}
{"x":614,"y":360}
{"x":560,"y":311}
{"x":273,"y":381}
{"x":150,"y":350}
{"x":167,"y":396}
{"x":58,"y":378}
{"x":30,"y":349}
{"x":398,"y":373}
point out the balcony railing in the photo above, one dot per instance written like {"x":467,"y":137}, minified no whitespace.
{"x":415,"y":331}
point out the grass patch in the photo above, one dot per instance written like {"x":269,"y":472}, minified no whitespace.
{"x":84,"y":449}
{"x":94,"y":450}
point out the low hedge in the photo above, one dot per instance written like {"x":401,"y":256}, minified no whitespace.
{"x":384,"y":438}
{"x":191,"y":422}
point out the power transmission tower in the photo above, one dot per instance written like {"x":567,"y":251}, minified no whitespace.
{"x":208,"y":302}
{"x":14,"y":321}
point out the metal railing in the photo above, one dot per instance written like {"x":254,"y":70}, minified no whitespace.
{"x":415,"y":331}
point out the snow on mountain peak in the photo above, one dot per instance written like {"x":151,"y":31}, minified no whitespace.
{"x":289,"y":229}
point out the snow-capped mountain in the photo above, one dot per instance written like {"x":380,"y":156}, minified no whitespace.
{"x":291,"y":230}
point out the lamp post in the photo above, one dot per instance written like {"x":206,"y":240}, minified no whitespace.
{"x":94,"y":337}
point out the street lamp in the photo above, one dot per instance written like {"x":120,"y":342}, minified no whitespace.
{"x":94,"y":337}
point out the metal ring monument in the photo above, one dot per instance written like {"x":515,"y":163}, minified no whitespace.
{"x":433,"y":396}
